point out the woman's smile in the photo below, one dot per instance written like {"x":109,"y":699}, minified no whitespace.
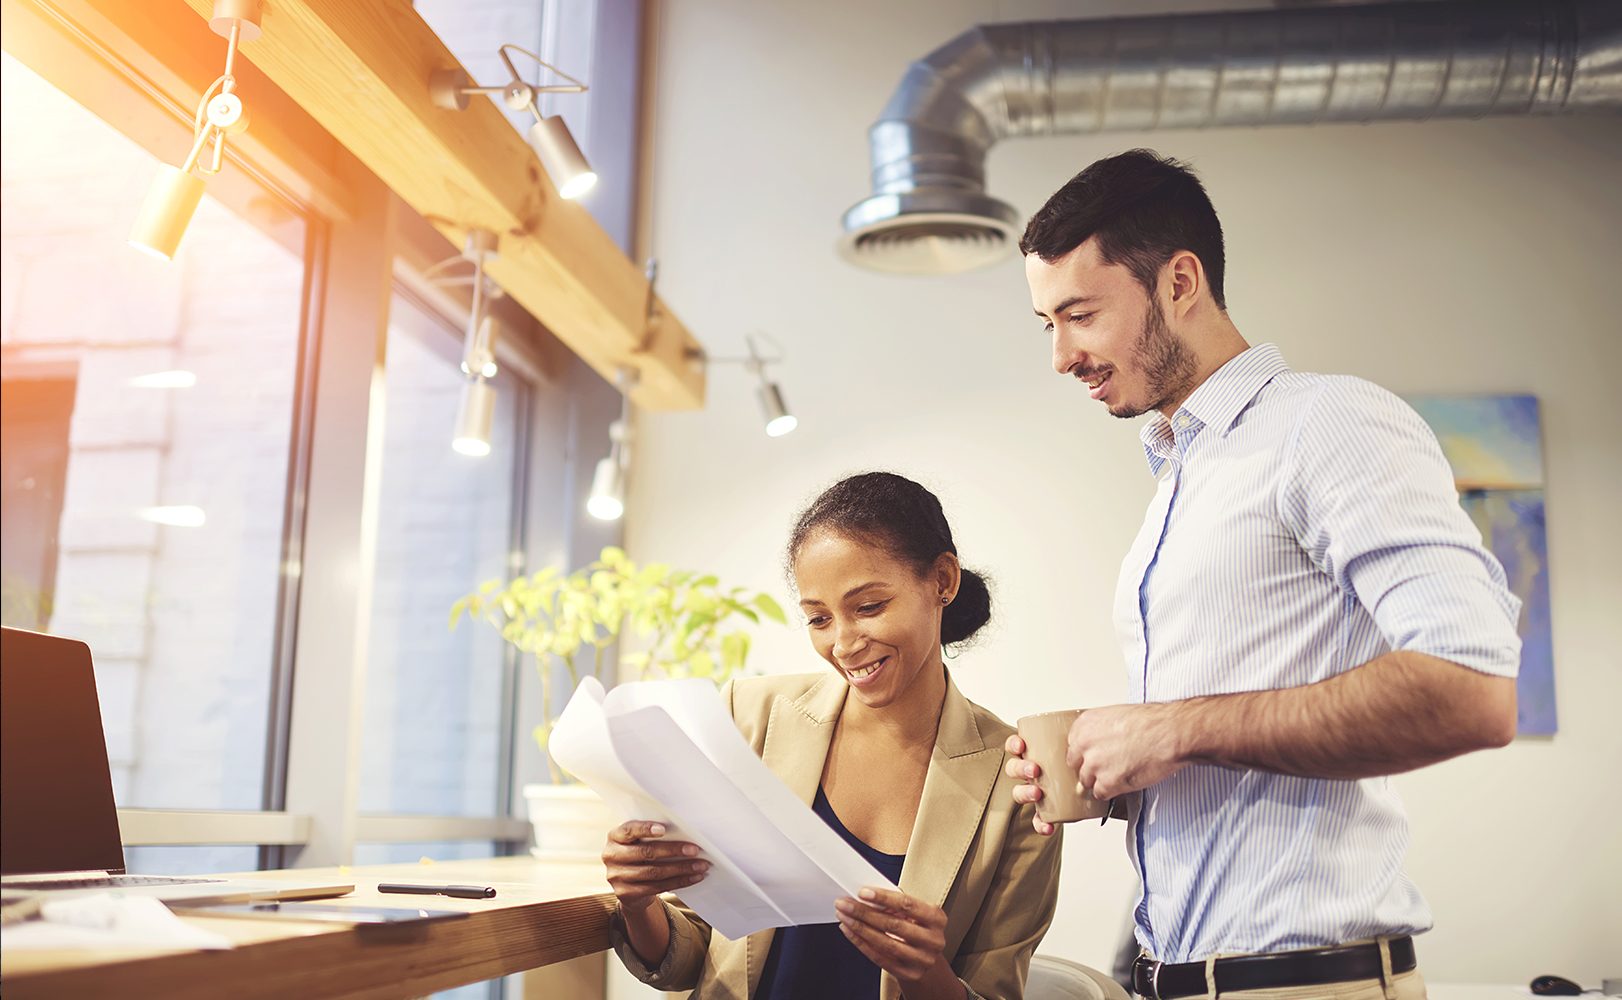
{"x":867,"y":673}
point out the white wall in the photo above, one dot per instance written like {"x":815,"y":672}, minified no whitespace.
{"x":1451,"y":256}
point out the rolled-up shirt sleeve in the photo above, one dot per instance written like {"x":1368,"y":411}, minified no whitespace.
{"x":1369,"y":495}
{"x":683,"y":960}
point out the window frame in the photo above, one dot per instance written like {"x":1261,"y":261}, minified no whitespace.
{"x":141,"y":72}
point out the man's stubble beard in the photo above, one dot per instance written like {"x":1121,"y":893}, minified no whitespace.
{"x":1167,"y":364}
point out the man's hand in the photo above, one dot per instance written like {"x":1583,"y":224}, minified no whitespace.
{"x":1124,"y":748}
{"x":1399,"y":711}
{"x":1026,"y":772}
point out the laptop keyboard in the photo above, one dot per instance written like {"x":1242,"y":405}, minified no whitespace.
{"x":110,"y":882}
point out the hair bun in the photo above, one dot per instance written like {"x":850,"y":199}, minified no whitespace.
{"x":969,"y":610}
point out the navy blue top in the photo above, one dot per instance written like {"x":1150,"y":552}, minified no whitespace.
{"x":816,"y":960}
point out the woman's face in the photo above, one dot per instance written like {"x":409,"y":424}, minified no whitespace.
{"x":870,"y":614}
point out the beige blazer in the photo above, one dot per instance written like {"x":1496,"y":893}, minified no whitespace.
{"x":973,"y":852}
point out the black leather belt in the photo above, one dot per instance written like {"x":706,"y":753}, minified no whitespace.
{"x":1314,"y":967}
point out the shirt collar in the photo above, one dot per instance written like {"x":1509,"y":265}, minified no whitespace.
{"x":1216,"y":402}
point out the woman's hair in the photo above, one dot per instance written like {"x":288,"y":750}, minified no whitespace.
{"x":905,"y":520}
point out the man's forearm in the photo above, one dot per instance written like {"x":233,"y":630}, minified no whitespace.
{"x":1395,"y":713}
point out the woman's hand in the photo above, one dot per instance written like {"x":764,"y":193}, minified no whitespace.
{"x":905,"y":937}
{"x":641,"y":866}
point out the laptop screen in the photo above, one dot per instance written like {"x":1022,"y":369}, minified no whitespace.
{"x":56,"y":791}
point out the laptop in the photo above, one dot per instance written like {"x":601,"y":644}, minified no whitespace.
{"x":58,"y":824}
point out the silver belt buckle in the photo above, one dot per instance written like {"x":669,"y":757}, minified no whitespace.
{"x":1154,"y":981}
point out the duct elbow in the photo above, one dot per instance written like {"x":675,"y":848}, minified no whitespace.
{"x":929,"y":213}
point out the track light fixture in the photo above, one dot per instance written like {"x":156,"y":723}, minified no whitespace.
{"x":549,"y":136}
{"x":606,"y":501}
{"x":474,"y":416}
{"x":479,"y":352}
{"x":478,"y":404}
{"x":779,"y":421}
{"x":774,"y":411}
{"x":479,"y":342}
{"x":176,"y":191}
{"x":478,"y":345}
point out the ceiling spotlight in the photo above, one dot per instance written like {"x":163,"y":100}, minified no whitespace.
{"x":779,"y":420}
{"x":176,"y":191}
{"x":561,"y":156}
{"x":477,"y":408}
{"x":473,"y":418}
{"x":167,"y":211}
{"x":549,"y":136}
{"x":773,"y":409}
{"x":606,"y":501}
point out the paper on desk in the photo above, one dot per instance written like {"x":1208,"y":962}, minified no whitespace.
{"x":668,"y":751}
{"x":107,"y":920}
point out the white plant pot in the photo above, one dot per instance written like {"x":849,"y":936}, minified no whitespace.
{"x":570,"y":821}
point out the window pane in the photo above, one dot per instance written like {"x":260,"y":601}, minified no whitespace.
{"x":410,"y":853}
{"x":148,"y":415}
{"x":201,"y":860}
{"x":433,"y":696}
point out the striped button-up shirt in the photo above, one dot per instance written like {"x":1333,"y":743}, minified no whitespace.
{"x":1303,"y":525}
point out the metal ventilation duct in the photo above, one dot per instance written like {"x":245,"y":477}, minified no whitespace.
{"x":929,"y":212}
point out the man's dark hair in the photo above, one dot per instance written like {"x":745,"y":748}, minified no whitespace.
{"x":906,"y":520}
{"x":1143,"y":207}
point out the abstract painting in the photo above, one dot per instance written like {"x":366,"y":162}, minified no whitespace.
{"x":1495,"y":446}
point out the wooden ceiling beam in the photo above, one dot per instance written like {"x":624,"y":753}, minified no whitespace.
{"x":360,"y":68}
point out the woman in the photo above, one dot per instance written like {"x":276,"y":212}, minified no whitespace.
{"x":893,"y":758}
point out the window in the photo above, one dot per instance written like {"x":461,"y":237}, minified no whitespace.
{"x":433,"y":728}
{"x":190,"y":860}
{"x":191,"y":466}
{"x":415,"y":851}
{"x":147,"y":430}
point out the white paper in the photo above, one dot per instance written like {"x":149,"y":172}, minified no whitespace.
{"x":580,"y":744}
{"x":667,"y":751}
{"x":107,"y":921}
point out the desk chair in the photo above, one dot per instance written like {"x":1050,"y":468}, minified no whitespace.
{"x":1061,"y":979}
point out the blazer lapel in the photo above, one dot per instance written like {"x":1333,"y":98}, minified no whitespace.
{"x":798,"y":735}
{"x":962,"y":772}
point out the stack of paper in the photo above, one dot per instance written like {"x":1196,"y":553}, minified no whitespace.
{"x":667,"y":751}
{"x":106,"y":920}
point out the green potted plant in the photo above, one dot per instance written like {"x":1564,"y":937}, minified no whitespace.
{"x":669,"y":623}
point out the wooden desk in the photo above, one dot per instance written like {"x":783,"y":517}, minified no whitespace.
{"x":544,"y":912}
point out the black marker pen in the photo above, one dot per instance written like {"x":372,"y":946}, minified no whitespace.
{"x":459,"y":891}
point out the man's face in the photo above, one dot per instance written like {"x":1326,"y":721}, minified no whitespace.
{"x":1109,"y":332}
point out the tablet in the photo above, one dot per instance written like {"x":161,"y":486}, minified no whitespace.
{"x":328,"y":912}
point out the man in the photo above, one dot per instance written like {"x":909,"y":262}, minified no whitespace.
{"x":1305,"y":611}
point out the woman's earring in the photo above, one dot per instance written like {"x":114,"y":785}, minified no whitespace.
{"x":946,"y":599}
